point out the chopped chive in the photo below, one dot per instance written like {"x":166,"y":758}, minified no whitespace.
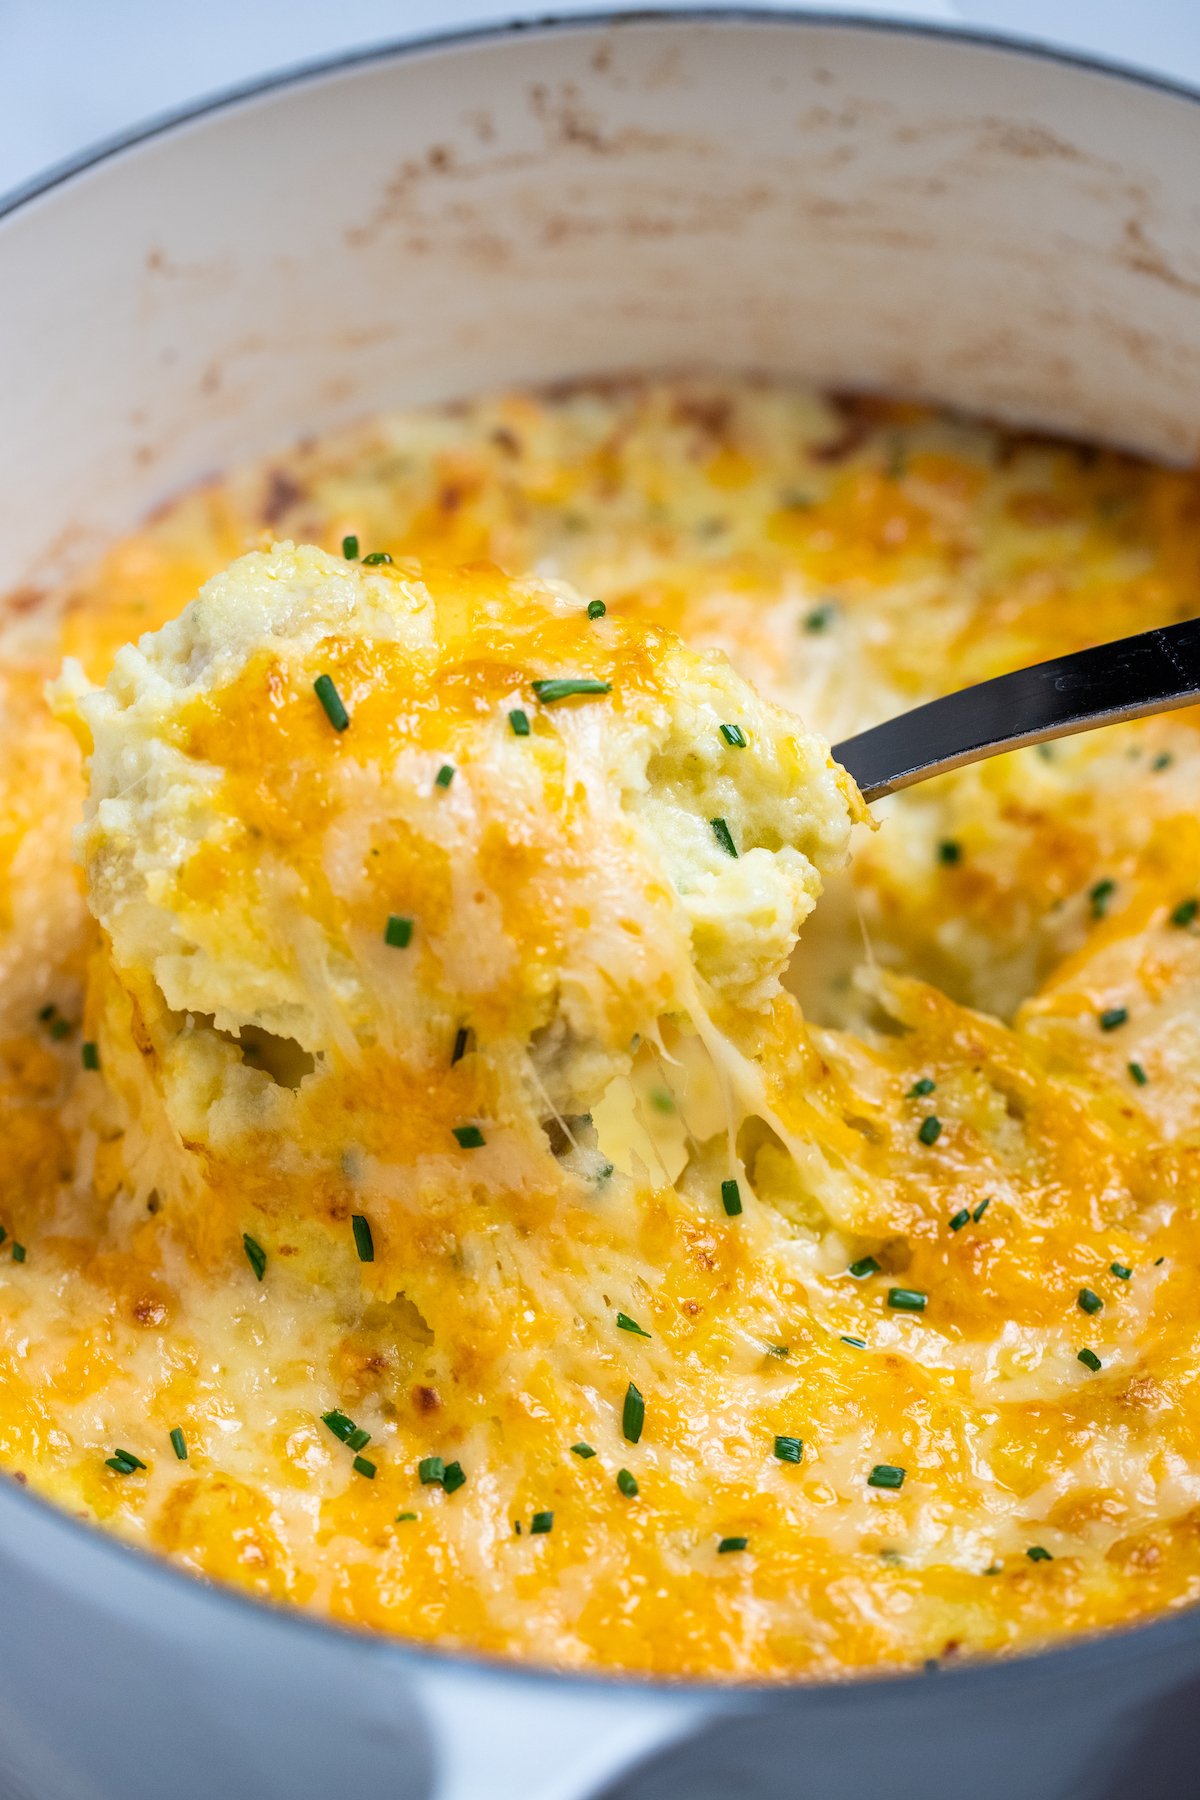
{"x":1114,"y":1016}
{"x":1120,"y":1271}
{"x":1162,"y":761}
{"x":565,"y":687}
{"x":907,"y":1299}
{"x":931,"y":1130}
{"x":519,"y":721}
{"x":404,"y":1518}
{"x":516,"y":1527}
{"x":127,"y":1456}
{"x":960,"y":1219}
{"x":454,"y":1478}
{"x":949,"y":851}
{"x":724,"y":836}
{"x":819,"y":618}
{"x":90,"y":1056}
{"x":123,"y":1462}
{"x":3,"y":1234}
{"x":60,"y":1029}
{"x":431,"y":1471}
{"x":361,"y":1464}
{"x":729,"y":1544}
{"x":777,"y":1350}
{"x":627,"y":1484}
{"x":1158,"y":1261}
{"x":1088,"y":1302}
{"x":731,"y":1197}
{"x":789,"y":1449}
{"x":330,"y":699}
{"x":920,"y":1088}
{"x":18,"y":1252}
{"x":358,"y":1438}
{"x":469,"y":1137}
{"x":398,"y":933}
{"x":350,"y":548}
{"x":541,"y":1523}
{"x":858,"y":1343}
{"x":364,"y":1243}
{"x":1036,"y":1553}
{"x":179,"y":1444}
{"x":444,"y":776}
{"x":582,"y":1450}
{"x":886,"y":1475}
{"x":1100,"y":895}
{"x":1185,"y":912}
{"x":625,"y":1323}
{"x":733,"y":734}
{"x":866,"y":1265}
{"x":1138,"y":1074}
{"x":633,"y":1414}
{"x":256,"y":1256}
{"x":47,"y":1012}
{"x":339,"y":1424}
{"x":981,"y":1208}
{"x":596,"y":609}
{"x":1090,"y":1360}
{"x":460,"y":1045}
{"x":377,"y":556}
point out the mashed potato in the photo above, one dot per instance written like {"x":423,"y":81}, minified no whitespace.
{"x":436,"y":1193}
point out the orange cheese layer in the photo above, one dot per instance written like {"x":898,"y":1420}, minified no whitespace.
{"x":1000,"y":1020}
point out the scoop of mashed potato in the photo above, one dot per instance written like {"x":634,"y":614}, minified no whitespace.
{"x":396,"y":870}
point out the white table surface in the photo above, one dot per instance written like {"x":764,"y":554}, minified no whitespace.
{"x":73,"y":72}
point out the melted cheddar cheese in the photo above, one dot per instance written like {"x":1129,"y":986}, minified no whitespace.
{"x":963,"y":1125}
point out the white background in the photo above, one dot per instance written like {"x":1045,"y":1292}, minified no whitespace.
{"x":73,"y":72}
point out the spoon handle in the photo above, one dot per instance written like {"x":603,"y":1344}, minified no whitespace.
{"x":1149,"y":673}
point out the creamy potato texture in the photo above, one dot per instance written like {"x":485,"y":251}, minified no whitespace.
{"x":439,"y":1191}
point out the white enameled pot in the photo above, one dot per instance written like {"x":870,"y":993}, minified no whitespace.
{"x":869,"y":205}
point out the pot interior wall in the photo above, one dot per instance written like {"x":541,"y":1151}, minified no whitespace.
{"x":868,"y":207}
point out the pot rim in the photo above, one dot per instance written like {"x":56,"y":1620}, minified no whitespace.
{"x":1072,"y":1658}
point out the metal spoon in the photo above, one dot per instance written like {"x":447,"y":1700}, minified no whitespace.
{"x":1149,"y":673}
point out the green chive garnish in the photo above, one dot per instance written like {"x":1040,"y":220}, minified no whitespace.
{"x":60,"y":1029}
{"x":960,"y":1219}
{"x":931,"y":1130}
{"x":633,"y":1415}
{"x":431,"y":1471}
{"x":1100,"y":896}
{"x":1089,"y":1302}
{"x":596,"y":609}
{"x":1185,"y":912}
{"x":981,"y":1209}
{"x":819,"y":618}
{"x":1138,"y":1074}
{"x":330,"y":699}
{"x":565,"y":687}
{"x":358,"y":1438}
{"x":1120,"y":1271}
{"x":256,"y":1256}
{"x":625,"y":1323}
{"x":377,"y":556}
{"x":731,"y":1197}
{"x":460,"y":1044}
{"x":90,"y":1056}
{"x":444,"y":776}
{"x":1090,"y":1360}
{"x":949,"y":851}
{"x":454,"y":1478}
{"x":1036,"y":1553}
{"x":1115,"y":1015}
{"x":18,"y":1252}
{"x":857,"y":1343}
{"x":733,"y":734}
{"x":724,"y":836}
{"x":907,"y":1299}
{"x":179,"y":1444}
{"x":404,"y":1518}
{"x":519,"y":721}
{"x":886,"y":1475}
{"x":339,"y":1424}
{"x":582,"y":1450}
{"x":627,"y":1484}
{"x":731,"y":1543}
{"x":398,"y":933}
{"x":47,"y":1012}
{"x":361,"y":1465}
{"x":919,"y":1089}
{"x":541,"y":1523}
{"x":124,"y":1462}
{"x":866,"y":1265}
{"x":469,"y":1137}
{"x":789,"y":1449}
{"x":1162,"y":761}
{"x":350,"y":548}
{"x":364,"y":1243}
